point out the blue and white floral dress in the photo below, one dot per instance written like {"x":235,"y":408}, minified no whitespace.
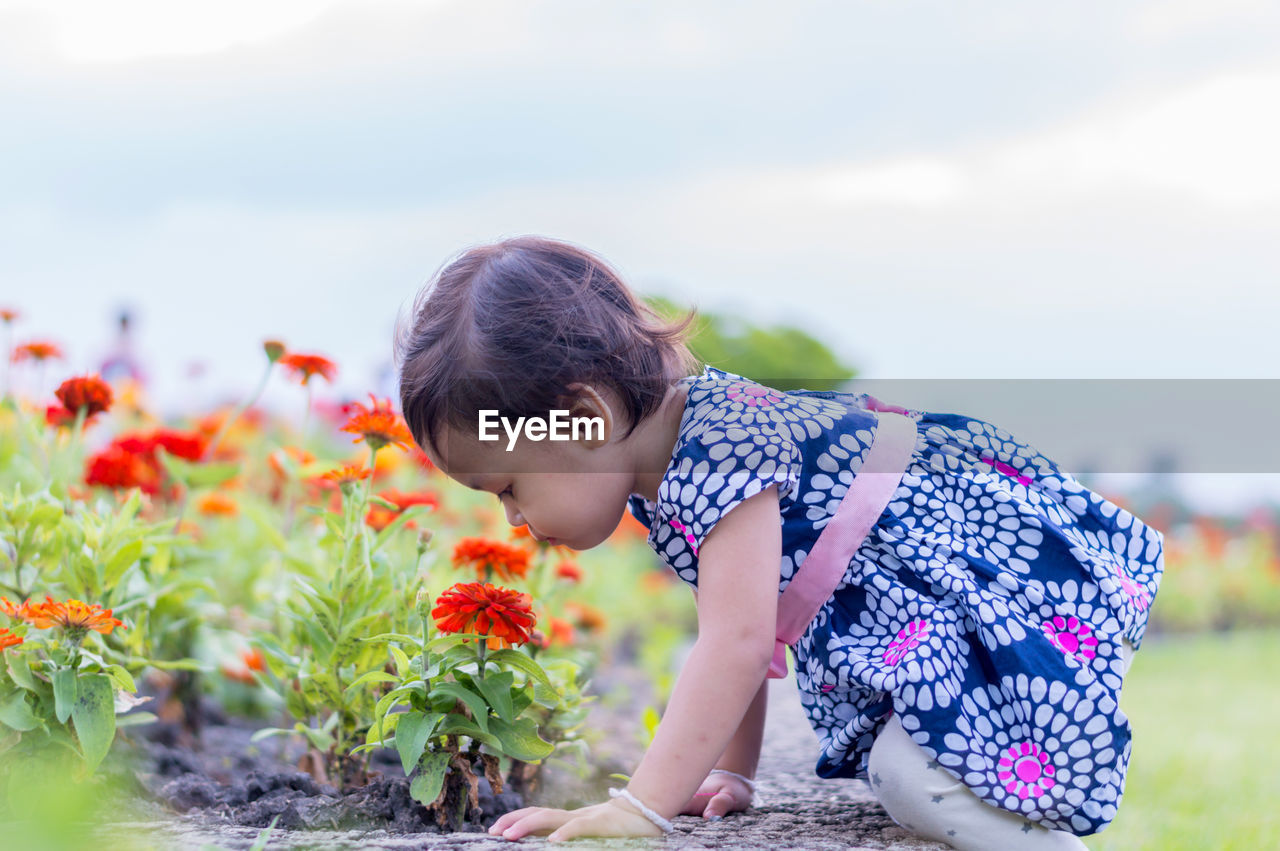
{"x":985,"y":607}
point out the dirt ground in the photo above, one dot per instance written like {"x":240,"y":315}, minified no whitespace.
{"x":795,"y":809}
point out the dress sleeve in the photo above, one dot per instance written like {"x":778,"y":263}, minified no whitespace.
{"x":722,"y":466}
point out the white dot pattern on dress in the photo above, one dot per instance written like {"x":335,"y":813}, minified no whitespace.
{"x":985,"y":608}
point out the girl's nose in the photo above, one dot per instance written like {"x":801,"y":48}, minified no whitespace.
{"x":514,"y":517}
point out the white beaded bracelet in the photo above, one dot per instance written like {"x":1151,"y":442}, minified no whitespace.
{"x":750,"y":783}
{"x":666,"y":826}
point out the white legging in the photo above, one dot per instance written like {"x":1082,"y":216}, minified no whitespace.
{"x":932,"y":803}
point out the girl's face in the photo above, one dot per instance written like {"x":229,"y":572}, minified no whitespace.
{"x":571,"y":494}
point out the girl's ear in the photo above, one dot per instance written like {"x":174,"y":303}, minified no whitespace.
{"x":583,"y":401}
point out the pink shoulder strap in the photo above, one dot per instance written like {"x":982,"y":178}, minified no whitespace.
{"x":821,"y":571}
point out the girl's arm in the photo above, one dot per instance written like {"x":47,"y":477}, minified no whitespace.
{"x":725,"y":673}
{"x":738,"y":573}
{"x":742,"y":755}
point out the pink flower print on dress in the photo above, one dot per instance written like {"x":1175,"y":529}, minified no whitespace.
{"x":1072,"y":636}
{"x":1137,"y":594}
{"x":1025,"y":771}
{"x":688,"y":536}
{"x":1012,"y":472}
{"x":909,"y":638}
{"x":753,"y":395}
{"x":874,"y":404}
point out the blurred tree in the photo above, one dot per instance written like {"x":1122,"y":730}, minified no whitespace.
{"x":779,"y":356}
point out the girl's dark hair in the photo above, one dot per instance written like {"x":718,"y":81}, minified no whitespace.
{"x":509,"y":326}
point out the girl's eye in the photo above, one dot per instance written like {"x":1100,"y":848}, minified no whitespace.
{"x":506,"y":492}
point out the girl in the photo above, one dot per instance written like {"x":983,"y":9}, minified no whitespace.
{"x":961,"y":611}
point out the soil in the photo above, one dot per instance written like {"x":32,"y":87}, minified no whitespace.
{"x":221,"y":796}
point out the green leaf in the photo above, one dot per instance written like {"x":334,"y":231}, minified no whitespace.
{"x":521,"y":740}
{"x":395,"y":636}
{"x":497,"y":690}
{"x":396,"y":525}
{"x":268,"y":732}
{"x":122,"y":678}
{"x":425,"y":788}
{"x":195,"y":475}
{"x":516,"y":659}
{"x":412,"y":732}
{"x":21,"y":671}
{"x":64,"y":693}
{"x":133,"y":719}
{"x":456,"y":725}
{"x":479,"y":708}
{"x":119,"y":562}
{"x":402,"y":660}
{"x":373,"y":677}
{"x":94,"y":715}
{"x":16,"y":715}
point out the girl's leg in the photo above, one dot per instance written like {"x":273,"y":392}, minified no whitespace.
{"x":921,"y":796}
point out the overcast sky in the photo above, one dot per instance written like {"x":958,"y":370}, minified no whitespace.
{"x":1005,"y":189}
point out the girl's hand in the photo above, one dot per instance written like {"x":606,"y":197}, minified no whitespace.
{"x":719,"y":795}
{"x":607,"y":819}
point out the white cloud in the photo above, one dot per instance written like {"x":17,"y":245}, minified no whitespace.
{"x":1213,"y":142}
{"x":123,"y":30}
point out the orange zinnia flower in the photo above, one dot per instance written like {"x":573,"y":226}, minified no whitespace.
{"x":39,"y":351}
{"x":378,"y":425}
{"x":305,"y":366}
{"x":218,"y":504}
{"x":346,"y":475}
{"x":8,"y":314}
{"x":8,"y":639}
{"x":507,"y":562}
{"x":73,"y":616}
{"x":20,"y":612}
{"x":502,"y":614}
{"x":87,"y":391}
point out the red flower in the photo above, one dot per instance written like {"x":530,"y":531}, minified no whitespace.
{"x":56,"y":416}
{"x":305,"y":366}
{"x":118,"y":467}
{"x":130,"y":460}
{"x":39,"y":351}
{"x":87,"y":391}
{"x":558,"y":632}
{"x":504,"y":615}
{"x":378,"y":425}
{"x":506,"y":561}
{"x":568,"y":569}
{"x":7,"y":638}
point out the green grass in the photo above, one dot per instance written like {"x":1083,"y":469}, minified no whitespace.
{"x":1205,"y":768}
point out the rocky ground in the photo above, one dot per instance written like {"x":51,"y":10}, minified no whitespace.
{"x":794,"y":809}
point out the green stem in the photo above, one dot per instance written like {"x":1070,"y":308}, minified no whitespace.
{"x":480,"y":654}
{"x":364,"y":509}
{"x":306,"y":419}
